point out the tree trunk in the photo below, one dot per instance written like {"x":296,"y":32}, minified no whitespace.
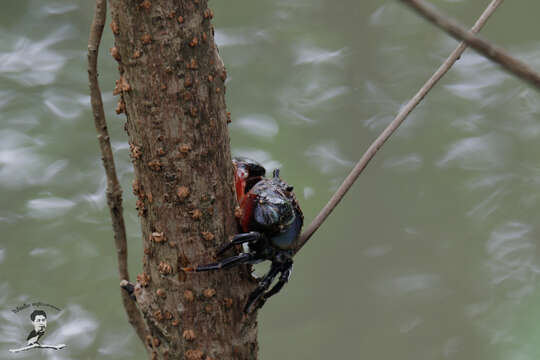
{"x":172,"y":92}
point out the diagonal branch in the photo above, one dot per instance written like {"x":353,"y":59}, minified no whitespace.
{"x":391,"y":128}
{"x":484,"y":47}
{"x":114,"y":192}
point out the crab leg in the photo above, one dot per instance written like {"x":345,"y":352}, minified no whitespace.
{"x":249,"y":237}
{"x":285,"y":275}
{"x":285,"y":269}
{"x":223,"y":264}
{"x":262,"y":287}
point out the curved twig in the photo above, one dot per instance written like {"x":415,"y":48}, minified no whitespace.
{"x":391,"y":128}
{"x":484,"y":47}
{"x":38,"y":346}
{"x":114,"y":191}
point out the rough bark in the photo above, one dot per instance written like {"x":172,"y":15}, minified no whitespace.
{"x":171,"y":89}
{"x":114,"y":192}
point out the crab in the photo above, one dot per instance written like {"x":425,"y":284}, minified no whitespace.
{"x":270,"y":220}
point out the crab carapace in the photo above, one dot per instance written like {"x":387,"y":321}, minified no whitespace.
{"x":270,"y":221}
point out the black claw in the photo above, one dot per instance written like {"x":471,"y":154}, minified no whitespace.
{"x":259,"y":296}
{"x":264,"y":284}
{"x":255,"y":305}
{"x":253,"y":299}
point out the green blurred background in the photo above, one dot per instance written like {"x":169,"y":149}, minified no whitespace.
{"x":432,"y":255}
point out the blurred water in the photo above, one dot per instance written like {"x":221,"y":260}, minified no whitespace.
{"x":432,"y":255}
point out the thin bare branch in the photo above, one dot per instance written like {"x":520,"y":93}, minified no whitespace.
{"x":391,"y":128}
{"x":114,"y":191}
{"x":484,"y":47}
